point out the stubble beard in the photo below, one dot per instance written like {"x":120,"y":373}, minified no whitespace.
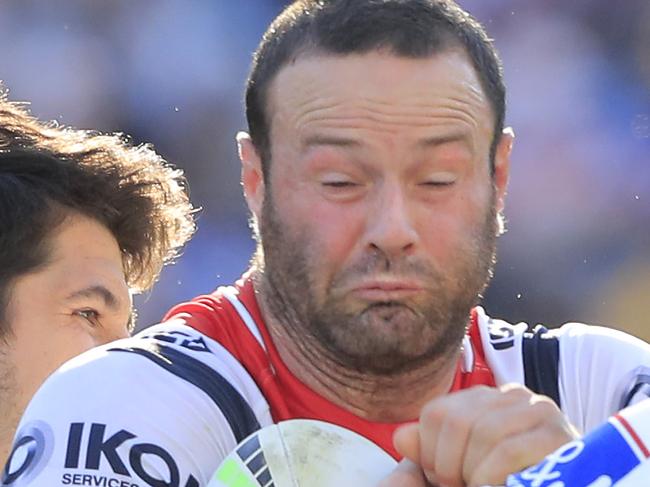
{"x":379,"y":339}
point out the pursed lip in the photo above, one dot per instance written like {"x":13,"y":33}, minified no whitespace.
{"x":386,"y":290}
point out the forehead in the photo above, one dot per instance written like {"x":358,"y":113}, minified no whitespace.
{"x":83,"y":254}
{"x":83,"y":245}
{"x":379,"y":91}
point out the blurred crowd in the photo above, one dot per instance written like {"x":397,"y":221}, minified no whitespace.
{"x":171,"y":72}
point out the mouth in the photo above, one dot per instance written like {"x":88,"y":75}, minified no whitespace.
{"x":387,"y":291}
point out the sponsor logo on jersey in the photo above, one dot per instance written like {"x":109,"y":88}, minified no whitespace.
{"x":501,"y":338}
{"x":96,"y":480}
{"x":601,"y":459}
{"x":125,"y":455}
{"x":32,"y":450}
{"x":185,"y":340}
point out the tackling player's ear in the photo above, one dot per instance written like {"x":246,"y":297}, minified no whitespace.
{"x":252,"y":177}
{"x":502,"y":166}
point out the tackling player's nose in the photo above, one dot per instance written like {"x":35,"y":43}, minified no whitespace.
{"x":389,"y":226}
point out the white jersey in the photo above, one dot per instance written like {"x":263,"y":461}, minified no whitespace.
{"x":165,"y":407}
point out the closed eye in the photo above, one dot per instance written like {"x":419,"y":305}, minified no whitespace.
{"x":438,"y":183}
{"x":339,"y":184}
{"x":440,"y":180}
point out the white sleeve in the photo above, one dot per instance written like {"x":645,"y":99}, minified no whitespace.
{"x":601,"y":371}
{"x":157,"y":409}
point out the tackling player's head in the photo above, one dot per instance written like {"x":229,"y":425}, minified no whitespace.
{"x":50,"y":173}
{"x":85,"y":219}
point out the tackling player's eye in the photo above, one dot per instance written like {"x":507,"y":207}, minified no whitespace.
{"x":89,"y":314}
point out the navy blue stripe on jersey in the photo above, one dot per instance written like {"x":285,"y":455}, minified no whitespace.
{"x":541,"y":353}
{"x":234,"y":407}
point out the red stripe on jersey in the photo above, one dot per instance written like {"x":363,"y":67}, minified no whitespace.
{"x":633,"y":434}
{"x":287,"y":396}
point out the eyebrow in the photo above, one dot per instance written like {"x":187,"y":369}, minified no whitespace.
{"x":433,"y":141}
{"x":437,"y":140}
{"x":110,"y":300}
{"x":331,"y":140}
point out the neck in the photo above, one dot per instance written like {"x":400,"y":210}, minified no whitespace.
{"x":386,"y":398}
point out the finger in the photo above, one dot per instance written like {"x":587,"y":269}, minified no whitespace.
{"x":520,"y":411}
{"x":406,"y":441}
{"x":514,"y":454}
{"x":406,"y":474}
{"x":523,"y":412}
{"x":445,"y":426}
{"x":450,"y":449}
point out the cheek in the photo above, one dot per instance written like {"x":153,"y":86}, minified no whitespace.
{"x":116,"y":334}
{"x":330,"y":232}
{"x":453,"y":226}
{"x":41,"y":346}
{"x":440,"y":234}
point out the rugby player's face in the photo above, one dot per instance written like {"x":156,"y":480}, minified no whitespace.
{"x":379,"y":219}
{"x":78,"y":299}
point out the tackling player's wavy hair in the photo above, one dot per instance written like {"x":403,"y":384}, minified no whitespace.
{"x":48,"y":172}
{"x":409,"y":28}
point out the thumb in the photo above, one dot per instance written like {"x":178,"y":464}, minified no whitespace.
{"x":406,"y":441}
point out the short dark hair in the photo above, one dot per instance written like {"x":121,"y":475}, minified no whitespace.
{"x":48,"y":172}
{"x":409,"y":28}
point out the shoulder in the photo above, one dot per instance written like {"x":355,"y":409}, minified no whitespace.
{"x":230,"y":316}
{"x":607,"y":355}
{"x":590,"y":371}
{"x":168,"y":355}
{"x":581,"y":345}
{"x":209,"y":313}
{"x":601,"y":370}
{"x":595,"y":337}
{"x":589,"y":346}
{"x":170,"y":392}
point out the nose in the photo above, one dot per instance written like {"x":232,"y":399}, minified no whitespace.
{"x":390,"y":226}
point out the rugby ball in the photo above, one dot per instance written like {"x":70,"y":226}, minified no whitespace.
{"x":304,"y":453}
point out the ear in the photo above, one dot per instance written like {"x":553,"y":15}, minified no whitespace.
{"x":502,"y":166}
{"x":252,"y":178}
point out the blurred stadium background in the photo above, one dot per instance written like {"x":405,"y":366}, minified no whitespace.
{"x":171,"y":72}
